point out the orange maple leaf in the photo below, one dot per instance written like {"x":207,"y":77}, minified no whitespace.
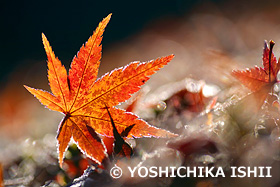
{"x":259,"y":78}
{"x":81,"y":97}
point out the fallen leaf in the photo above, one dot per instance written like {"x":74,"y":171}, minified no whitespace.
{"x":194,"y":144}
{"x":257,"y":78}
{"x":80,"y":96}
{"x":260,"y":81}
{"x":187,"y":100}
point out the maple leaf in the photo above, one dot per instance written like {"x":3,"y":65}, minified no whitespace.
{"x":258,"y":78}
{"x":80,"y":96}
{"x":260,"y":81}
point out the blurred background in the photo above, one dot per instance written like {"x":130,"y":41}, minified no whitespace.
{"x":195,"y":31}
{"x":208,"y":38}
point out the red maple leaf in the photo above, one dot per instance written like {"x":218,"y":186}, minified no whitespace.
{"x":81,"y":96}
{"x":258,"y":78}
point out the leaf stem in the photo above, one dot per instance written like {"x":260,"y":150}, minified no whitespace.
{"x":271,"y":44}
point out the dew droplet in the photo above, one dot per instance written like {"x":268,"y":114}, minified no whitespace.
{"x":276,"y":88}
{"x":161,"y":105}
